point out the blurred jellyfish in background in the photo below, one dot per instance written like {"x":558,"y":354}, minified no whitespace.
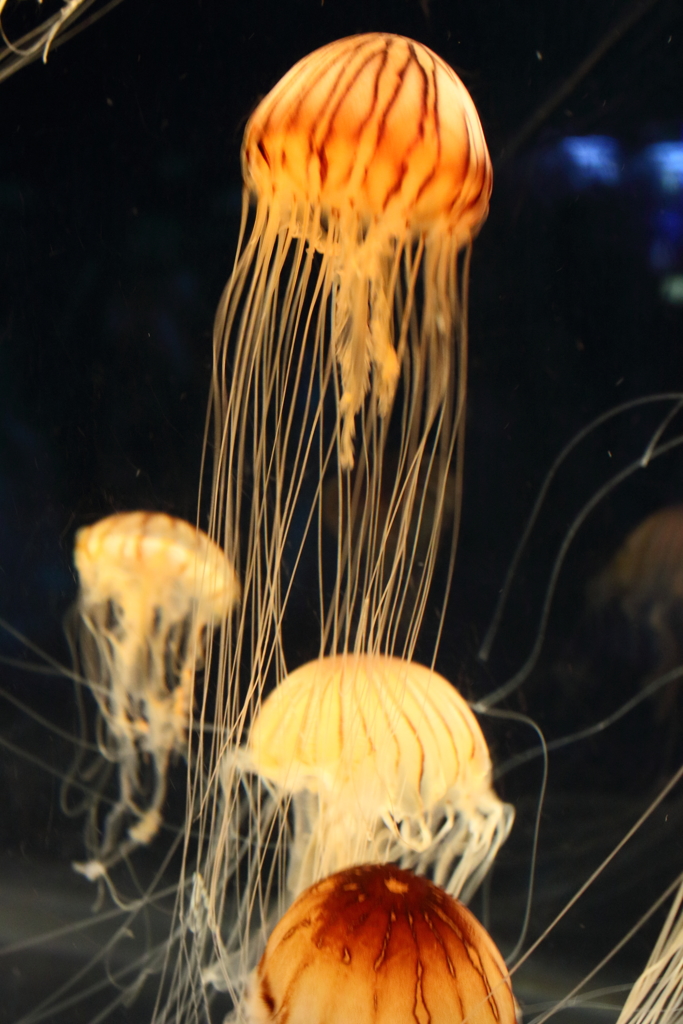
{"x":151,"y":590}
{"x":379,"y":944}
{"x":643,"y":583}
{"x":625,"y":644}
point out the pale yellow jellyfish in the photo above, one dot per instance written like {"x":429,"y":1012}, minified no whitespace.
{"x":342,"y":334}
{"x":382,"y":761}
{"x":150,"y":588}
{"x":377,"y":945}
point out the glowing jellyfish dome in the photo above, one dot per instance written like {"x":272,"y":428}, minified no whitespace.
{"x":382,"y":761}
{"x":378,"y":944}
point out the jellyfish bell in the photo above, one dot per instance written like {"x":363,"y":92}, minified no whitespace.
{"x":375,"y":943}
{"x":151,"y":586}
{"x":369,"y":173}
{"x":383,"y":761}
{"x":380,"y":135}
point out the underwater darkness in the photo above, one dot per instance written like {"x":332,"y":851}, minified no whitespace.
{"x":120,"y":195}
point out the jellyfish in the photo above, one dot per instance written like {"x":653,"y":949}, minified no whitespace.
{"x":379,"y":944}
{"x":644,"y":581}
{"x":342,"y":334}
{"x":383,"y":761}
{"x":151,"y":586}
{"x":630,"y":633}
{"x":351,"y":759}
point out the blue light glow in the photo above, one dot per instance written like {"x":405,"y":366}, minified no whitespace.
{"x":666,"y":160}
{"x":593,"y":159}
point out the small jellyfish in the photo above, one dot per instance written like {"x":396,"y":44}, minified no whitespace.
{"x":382,"y":760}
{"x":151,"y":586}
{"x":377,"y":944}
{"x":370,"y":176}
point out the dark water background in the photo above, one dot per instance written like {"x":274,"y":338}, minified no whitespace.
{"x":119,"y":208}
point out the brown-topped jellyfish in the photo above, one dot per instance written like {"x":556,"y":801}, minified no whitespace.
{"x":342,"y":335}
{"x":379,"y":945}
{"x":150,"y":588}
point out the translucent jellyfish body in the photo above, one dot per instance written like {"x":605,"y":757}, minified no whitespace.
{"x":382,"y":761}
{"x":150,"y":587}
{"x":631,"y":633}
{"x":377,"y":944}
{"x":370,"y":174}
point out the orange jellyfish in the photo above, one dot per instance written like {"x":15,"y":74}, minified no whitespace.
{"x":341,"y":335}
{"x":381,"y":760}
{"x":151,"y":586}
{"x":377,"y":944}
